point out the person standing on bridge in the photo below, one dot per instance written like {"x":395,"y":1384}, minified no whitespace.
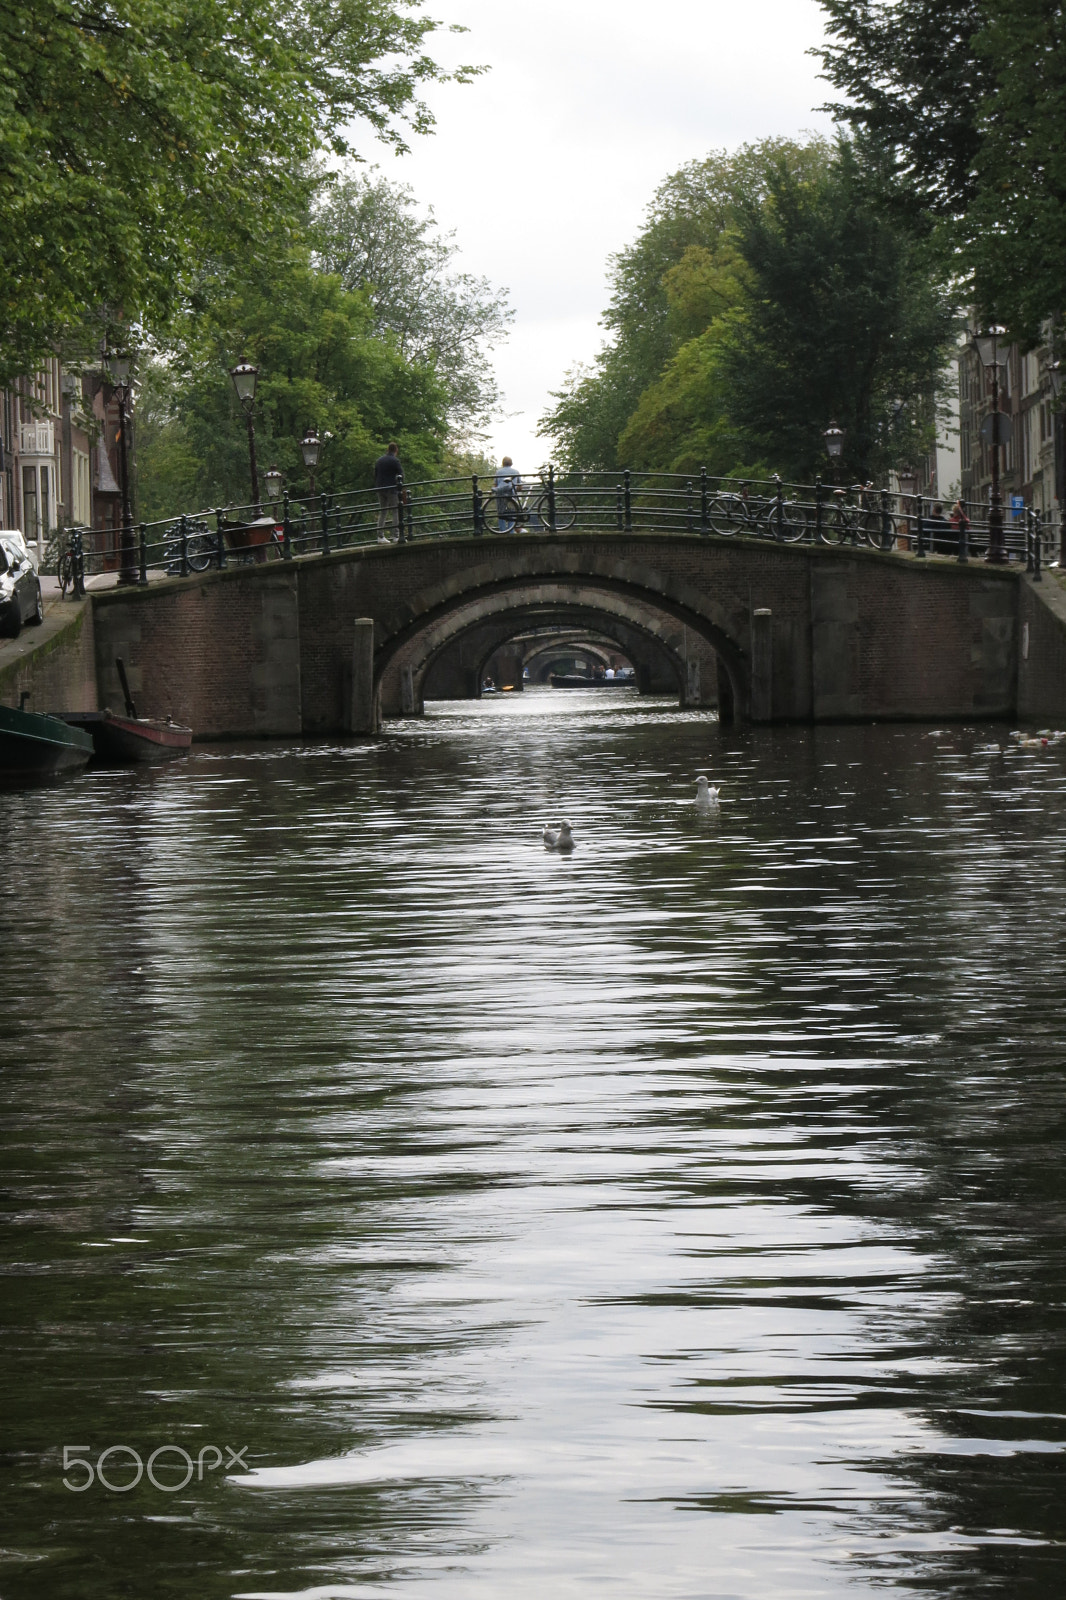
{"x":387,"y":475}
{"x":508,"y":486}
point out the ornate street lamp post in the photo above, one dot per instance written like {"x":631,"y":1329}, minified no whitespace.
{"x":834,"y":444}
{"x":244,"y":376}
{"x":118,"y":367}
{"x":311,"y":449}
{"x":987,"y":347}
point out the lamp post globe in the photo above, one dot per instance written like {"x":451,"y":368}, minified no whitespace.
{"x":834,"y":437}
{"x":245,"y":375}
{"x":311,"y":449}
{"x":275,"y":478}
{"x":986,"y":344}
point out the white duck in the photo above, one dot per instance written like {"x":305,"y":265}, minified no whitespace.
{"x":560,"y":838}
{"x":706,"y":797}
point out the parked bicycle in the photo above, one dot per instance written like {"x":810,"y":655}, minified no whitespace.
{"x":741,"y":512}
{"x":531,"y":506}
{"x":201,"y":548}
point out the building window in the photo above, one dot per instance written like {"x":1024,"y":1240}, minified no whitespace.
{"x":46,"y":509}
{"x":30,"y":522}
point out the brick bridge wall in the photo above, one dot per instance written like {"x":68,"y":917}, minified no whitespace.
{"x":268,"y":650}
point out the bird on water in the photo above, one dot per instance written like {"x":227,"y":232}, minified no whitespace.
{"x":706,"y":797}
{"x":560,"y":838}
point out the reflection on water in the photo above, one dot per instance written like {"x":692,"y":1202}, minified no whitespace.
{"x":682,"y":1218}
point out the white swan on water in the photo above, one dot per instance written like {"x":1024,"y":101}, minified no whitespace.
{"x":706,"y":797}
{"x":560,"y":838}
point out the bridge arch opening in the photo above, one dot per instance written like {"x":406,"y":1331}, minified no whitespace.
{"x":443,"y":652}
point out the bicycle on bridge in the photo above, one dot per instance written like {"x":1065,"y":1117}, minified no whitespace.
{"x":529,"y":504}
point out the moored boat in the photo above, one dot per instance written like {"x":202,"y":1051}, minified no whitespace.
{"x":121,"y":741}
{"x":32,"y":743}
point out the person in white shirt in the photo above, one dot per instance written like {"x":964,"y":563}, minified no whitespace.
{"x":508,"y":485}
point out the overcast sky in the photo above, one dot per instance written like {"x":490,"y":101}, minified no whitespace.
{"x":587,"y":105}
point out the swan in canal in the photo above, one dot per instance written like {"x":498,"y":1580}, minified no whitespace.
{"x":706,"y":797}
{"x":560,"y":838}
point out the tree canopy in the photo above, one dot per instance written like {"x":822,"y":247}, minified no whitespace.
{"x":372,"y":235}
{"x":138,"y":137}
{"x":770,"y":292}
{"x":322,"y":364}
{"x":966,"y":99}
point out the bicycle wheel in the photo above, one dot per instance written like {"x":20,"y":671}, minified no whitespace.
{"x":565,"y":511}
{"x":200,"y":552}
{"x":502,"y":513}
{"x":725,"y":512}
{"x":65,"y":572}
{"x":797,"y":521}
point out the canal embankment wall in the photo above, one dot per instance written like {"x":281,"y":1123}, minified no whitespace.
{"x":822,"y":634}
{"x":54,"y":665}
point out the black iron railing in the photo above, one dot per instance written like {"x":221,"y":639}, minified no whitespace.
{"x":860,"y":517}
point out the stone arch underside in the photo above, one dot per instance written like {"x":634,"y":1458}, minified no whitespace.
{"x":402,"y":674}
{"x":457,"y":669}
{"x":659,"y":606}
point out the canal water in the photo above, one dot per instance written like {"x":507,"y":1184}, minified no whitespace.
{"x":684,"y":1218}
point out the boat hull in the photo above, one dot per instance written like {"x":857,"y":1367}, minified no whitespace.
{"x":126,"y":741}
{"x":32,"y":744}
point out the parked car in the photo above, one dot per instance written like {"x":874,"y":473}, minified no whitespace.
{"x":20,"y":588}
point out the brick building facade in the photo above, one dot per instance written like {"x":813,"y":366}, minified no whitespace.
{"x":59,"y":468}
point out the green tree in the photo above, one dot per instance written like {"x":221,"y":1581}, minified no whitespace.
{"x":138,"y":137}
{"x":372,"y":235}
{"x":967,"y":99}
{"x":322,"y":364}
{"x":843,"y":319}
{"x":694,"y":207}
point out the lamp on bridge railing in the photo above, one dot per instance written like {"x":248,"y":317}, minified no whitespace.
{"x":987,"y":346}
{"x":1055,"y":375}
{"x":245,"y":376}
{"x":311,"y":449}
{"x":118,"y":365}
{"x":275,"y":480}
{"x":834,"y":442}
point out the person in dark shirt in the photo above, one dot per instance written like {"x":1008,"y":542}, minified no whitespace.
{"x":387,"y":474}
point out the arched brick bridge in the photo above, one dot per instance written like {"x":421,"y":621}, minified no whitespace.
{"x":777,"y":632}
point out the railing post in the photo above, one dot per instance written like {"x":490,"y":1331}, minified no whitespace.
{"x":551,"y":498}
{"x":286,"y":529}
{"x":77,"y":563}
{"x":964,"y":542}
{"x":690,"y":516}
{"x":325,"y":522}
{"x":627,"y":498}
{"x":921,"y":527}
{"x":619,"y":512}
{"x":183,"y":541}
{"x":779,"y":509}
{"x":1038,"y":551}
{"x":409,"y":507}
{"x":1029,"y":540}
{"x":479,"y":508}
{"x":220,"y":541}
{"x":705,"y":504}
{"x":142,"y":554}
{"x":819,"y":493}
{"x":887,"y":541}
